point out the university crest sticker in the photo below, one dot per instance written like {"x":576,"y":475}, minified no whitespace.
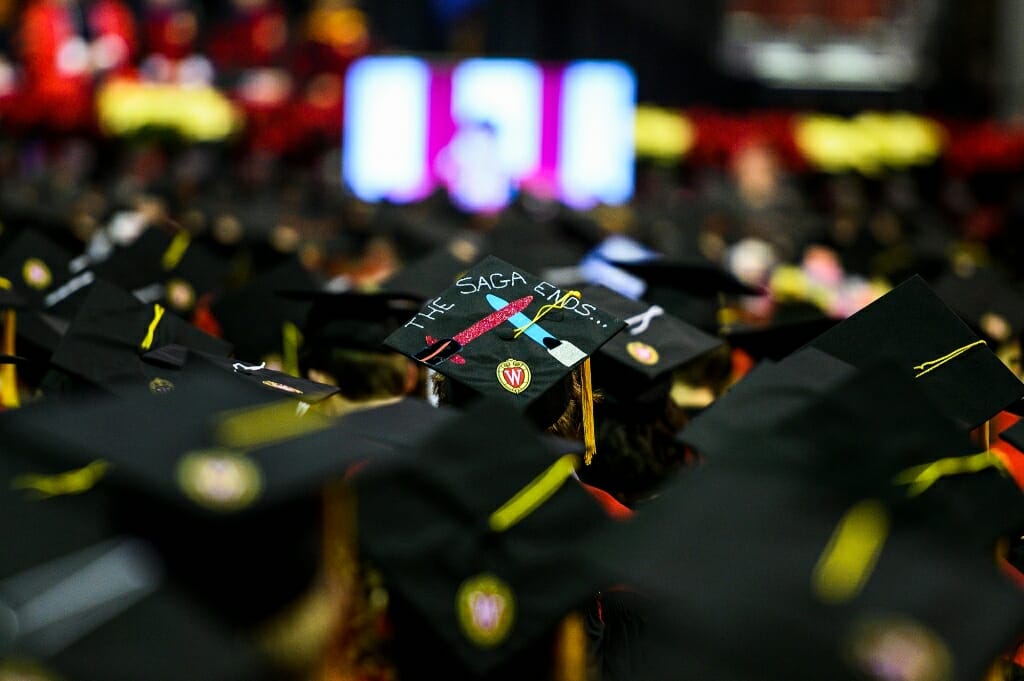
{"x":514,"y":375}
{"x":643,"y":353}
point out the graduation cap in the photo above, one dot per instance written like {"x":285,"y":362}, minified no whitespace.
{"x":218,"y":479}
{"x":477,"y":551}
{"x":351,"y":319}
{"x":761,"y":399}
{"x":34,"y":265}
{"x":504,"y":333}
{"x":691,"y":288}
{"x":261,"y":323}
{"x":175,"y":367}
{"x":992,"y":307}
{"x":653,"y":344}
{"x":792,"y":326}
{"x":912,"y":328}
{"x":113,"y":329}
{"x":754,"y":575}
{"x":106,"y":612}
{"x":435,"y":271}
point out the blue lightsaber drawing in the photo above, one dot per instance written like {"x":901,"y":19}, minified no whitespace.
{"x":562,"y":350}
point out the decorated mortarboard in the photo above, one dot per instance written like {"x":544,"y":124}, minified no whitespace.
{"x":792,"y":326}
{"x":912,"y":328}
{"x":797,"y":583}
{"x":34,"y":265}
{"x":652,"y":344}
{"x":480,"y":548}
{"x":504,"y":333}
{"x":113,"y":329}
{"x":259,"y":321}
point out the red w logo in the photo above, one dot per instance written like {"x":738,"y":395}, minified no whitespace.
{"x":514,"y":376}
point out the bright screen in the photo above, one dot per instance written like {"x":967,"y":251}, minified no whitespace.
{"x":487,"y":128}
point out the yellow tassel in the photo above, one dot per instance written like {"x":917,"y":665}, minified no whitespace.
{"x":176,"y":251}
{"x":571,"y":656}
{"x":550,"y":307}
{"x":8,"y":372}
{"x":291,"y":339}
{"x":587,"y":399}
{"x":932,"y":365}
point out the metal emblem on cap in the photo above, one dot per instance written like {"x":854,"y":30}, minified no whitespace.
{"x":160,"y":386}
{"x":514,"y":375}
{"x":220,"y":479}
{"x":180,"y":294}
{"x":643,"y":353}
{"x":485,"y":608}
{"x":21,"y":670}
{"x":281,"y":386}
{"x":899,"y":649}
{"x":36,"y":274}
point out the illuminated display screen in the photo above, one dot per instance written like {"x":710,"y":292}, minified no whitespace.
{"x":487,"y":128}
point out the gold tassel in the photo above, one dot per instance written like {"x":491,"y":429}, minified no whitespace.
{"x":571,"y":652}
{"x":587,"y":400}
{"x":8,"y":372}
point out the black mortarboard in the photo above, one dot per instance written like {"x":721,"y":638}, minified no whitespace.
{"x":695,"y":275}
{"x":477,"y":550}
{"x":653,"y":343}
{"x":691,"y":289}
{"x":216,"y":491}
{"x":792,"y":326}
{"x":433,"y":272}
{"x":106,"y":612}
{"x":761,"y":399}
{"x":255,"y":318}
{"x":113,"y":329}
{"x":351,"y":319}
{"x":175,"y":367}
{"x":34,"y":265}
{"x":990,"y":305}
{"x":468,"y":332}
{"x":824,"y":588}
{"x":912,"y":328}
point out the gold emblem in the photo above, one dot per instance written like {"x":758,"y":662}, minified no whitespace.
{"x":160,"y":386}
{"x":898,"y":649}
{"x":485,"y":608}
{"x":36,"y":274}
{"x":642,"y":352}
{"x":219,"y":479}
{"x":180,"y":294}
{"x":281,"y":386}
{"x":23,"y":670}
{"x":514,"y":375}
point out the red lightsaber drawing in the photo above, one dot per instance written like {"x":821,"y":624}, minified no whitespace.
{"x":438,"y":351}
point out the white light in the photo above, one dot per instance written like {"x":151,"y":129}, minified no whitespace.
{"x":505,"y":93}
{"x":385,"y":128}
{"x":596,"y":146}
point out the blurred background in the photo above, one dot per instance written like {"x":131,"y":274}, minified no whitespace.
{"x":854,"y":137}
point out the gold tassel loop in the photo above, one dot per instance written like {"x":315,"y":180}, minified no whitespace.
{"x":8,"y":372}
{"x":587,"y":403}
{"x":545,"y":309}
{"x":934,"y":364}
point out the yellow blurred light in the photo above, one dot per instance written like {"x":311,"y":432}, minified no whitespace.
{"x":662,"y":133}
{"x":200,"y":114}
